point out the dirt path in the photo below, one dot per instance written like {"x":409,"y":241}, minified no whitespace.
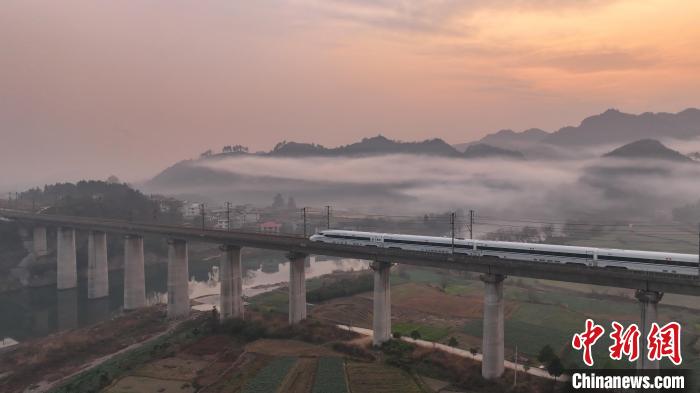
{"x":459,"y":352}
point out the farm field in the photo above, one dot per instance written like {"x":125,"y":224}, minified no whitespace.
{"x":135,"y":384}
{"x":376,"y":378}
{"x":330,"y":376}
{"x":300,"y":379}
{"x":271,"y":376}
{"x":288,"y":348}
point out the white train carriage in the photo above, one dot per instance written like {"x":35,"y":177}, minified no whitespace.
{"x":547,"y":253}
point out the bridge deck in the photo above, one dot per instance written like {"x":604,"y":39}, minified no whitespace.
{"x":662,"y":282}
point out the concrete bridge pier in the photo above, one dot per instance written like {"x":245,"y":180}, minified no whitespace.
{"x":492,"y":364}
{"x":98,"y":280}
{"x":231,"y":277}
{"x":134,"y":276}
{"x":67,"y":309}
{"x":66,"y":269}
{"x":39,"y":244}
{"x":381,"y":318}
{"x":649,"y":301}
{"x":297,"y":287}
{"x":178,"y":279}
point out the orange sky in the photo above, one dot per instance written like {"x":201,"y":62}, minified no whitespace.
{"x":131,"y":86}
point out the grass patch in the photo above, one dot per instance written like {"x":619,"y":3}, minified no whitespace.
{"x":273,"y":301}
{"x":462,"y":289}
{"x":429,"y":333}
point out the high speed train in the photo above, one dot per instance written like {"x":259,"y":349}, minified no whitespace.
{"x":663,"y":262}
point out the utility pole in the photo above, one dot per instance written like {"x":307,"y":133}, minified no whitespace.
{"x":201,"y":210}
{"x":328,"y":217}
{"x":303,"y":213}
{"x":515,"y":377}
{"x":228,"y":216}
{"x":452,"y":221}
{"x":471,"y":224}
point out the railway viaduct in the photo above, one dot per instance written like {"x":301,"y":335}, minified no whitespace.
{"x":649,"y":287}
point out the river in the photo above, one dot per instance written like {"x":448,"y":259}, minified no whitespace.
{"x":37,"y":312}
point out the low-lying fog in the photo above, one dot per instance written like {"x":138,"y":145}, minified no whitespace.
{"x":582,"y":188}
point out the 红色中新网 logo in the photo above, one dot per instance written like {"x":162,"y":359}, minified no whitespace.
{"x":661,"y":342}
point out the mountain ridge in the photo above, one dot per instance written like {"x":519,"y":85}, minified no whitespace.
{"x":610,"y":126}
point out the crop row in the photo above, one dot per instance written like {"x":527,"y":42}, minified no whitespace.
{"x":270,"y":377}
{"x":330,"y":376}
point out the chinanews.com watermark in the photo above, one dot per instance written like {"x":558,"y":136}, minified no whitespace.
{"x":674,"y":380}
{"x":630,"y":344}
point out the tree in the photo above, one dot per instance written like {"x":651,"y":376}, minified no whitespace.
{"x":415,"y":334}
{"x":113,"y":179}
{"x":555,"y":367}
{"x":396,"y":335}
{"x":453,"y":342}
{"x":546,"y":355}
{"x":278,"y":202}
{"x":239,"y":149}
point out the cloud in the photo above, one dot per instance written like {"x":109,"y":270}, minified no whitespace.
{"x":406,"y":16}
{"x":429,"y":16}
{"x":598,"y":60}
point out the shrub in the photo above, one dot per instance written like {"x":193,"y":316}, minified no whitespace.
{"x":353,"y":350}
{"x":453,"y":342}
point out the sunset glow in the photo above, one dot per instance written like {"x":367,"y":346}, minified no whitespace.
{"x":123,"y":76}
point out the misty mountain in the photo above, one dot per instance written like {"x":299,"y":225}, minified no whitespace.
{"x":482,"y":150}
{"x":626,"y":181}
{"x":377,"y":145}
{"x":613,"y":126}
{"x":647,"y":149}
{"x":509,"y":139}
{"x":188,"y":173}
